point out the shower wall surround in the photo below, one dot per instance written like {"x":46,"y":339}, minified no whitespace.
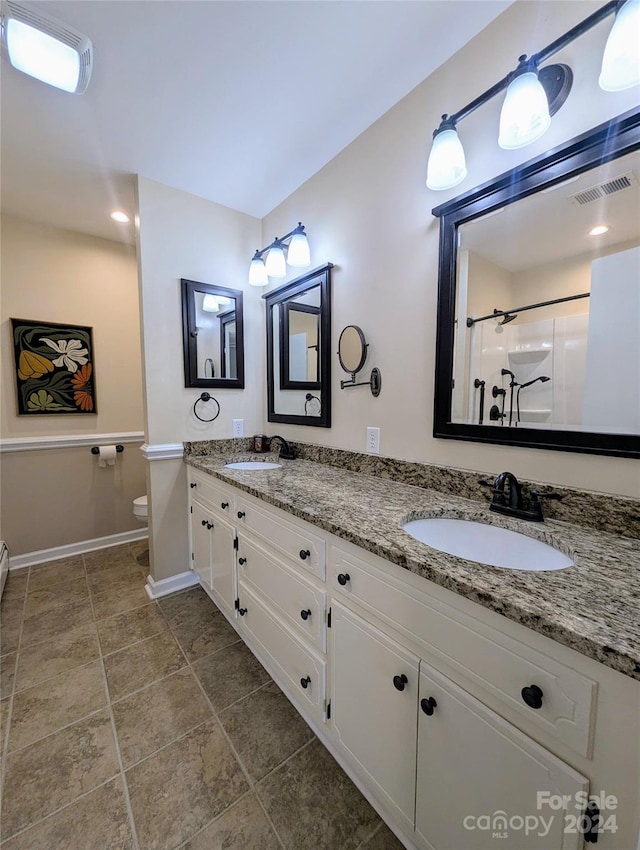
{"x":598,"y":511}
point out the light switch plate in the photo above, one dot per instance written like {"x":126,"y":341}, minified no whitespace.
{"x":373,"y":441}
{"x":238,"y":427}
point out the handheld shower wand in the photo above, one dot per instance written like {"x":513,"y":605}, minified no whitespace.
{"x":512,"y":384}
{"x":542,"y":378}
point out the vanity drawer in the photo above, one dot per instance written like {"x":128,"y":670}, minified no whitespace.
{"x":213,"y":493}
{"x":294,"y":663}
{"x":292,"y":596}
{"x":297,"y":541}
{"x":496,"y":663}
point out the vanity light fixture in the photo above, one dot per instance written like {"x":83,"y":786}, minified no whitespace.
{"x":535,"y":92}
{"x":297,"y":255}
{"x":45,"y":48}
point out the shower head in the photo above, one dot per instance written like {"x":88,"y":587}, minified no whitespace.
{"x":508,"y":372}
{"x":543,"y":379}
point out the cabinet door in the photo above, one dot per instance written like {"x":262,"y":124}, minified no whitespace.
{"x":223,"y":564}
{"x":201,"y":542}
{"x":373,"y":708}
{"x":479,"y":778}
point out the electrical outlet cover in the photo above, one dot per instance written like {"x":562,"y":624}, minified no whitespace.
{"x":373,"y":441}
{"x":238,"y":427}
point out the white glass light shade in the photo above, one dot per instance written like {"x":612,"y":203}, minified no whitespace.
{"x":41,"y":56}
{"x":120,"y":216}
{"x":210,"y":304}
{"x":525,"y":112}
{"x":276,"y":265}
{"x":298,"y":254}
{"x":258,"y":273}
{"x":446,"y":166}
{"x":621,"y":58}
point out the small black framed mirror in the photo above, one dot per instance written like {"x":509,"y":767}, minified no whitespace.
{"x":212,"y":335}
{"x":298,"y":319}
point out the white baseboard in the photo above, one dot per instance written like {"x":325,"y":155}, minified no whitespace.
{"x":156,"y":589}
{"x":17,"y":562}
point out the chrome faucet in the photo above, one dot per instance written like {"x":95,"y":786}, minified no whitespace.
{"x":286,"y":451}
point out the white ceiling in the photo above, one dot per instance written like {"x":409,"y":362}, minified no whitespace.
{"x":238,"y":101}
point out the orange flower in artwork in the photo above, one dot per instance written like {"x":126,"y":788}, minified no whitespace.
{"x":82,"y":376}
{"x":82,"y":397}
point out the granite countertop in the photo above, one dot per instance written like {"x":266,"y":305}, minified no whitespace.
{"x":592,"y":607}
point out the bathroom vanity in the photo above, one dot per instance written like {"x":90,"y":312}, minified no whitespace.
{"x":468,"y":703}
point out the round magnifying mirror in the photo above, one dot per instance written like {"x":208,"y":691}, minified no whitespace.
{"x":352,"y":349}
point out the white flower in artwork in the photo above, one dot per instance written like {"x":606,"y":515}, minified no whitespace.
{"x":71,"y":352}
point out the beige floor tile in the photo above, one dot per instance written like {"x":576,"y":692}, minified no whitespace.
{"x":314,"y":805}
{"x":49,"y":706}
{"x":184,"y":606}
{"x":180,"y":789}
{"x":44,"y":660}
{"x":124,"y":629}
{"x":197,"y":624}
{"x":242,"y":827}
{"x":48,"y":598}
{"x":117,"y":600}
{"x":102,"y":559}
{"x":50,"y":625}
{"x":265,"y":729}
{"x":4,"y":714}
{"x":384,"y":839}
{"x":7,"y":673}
{"x":142,"y":663}
{"x":98,"y":821}
{"x":230,"y":674}
{"x":56,"y":770}
{"x":10,"y":626}
{"x":124,"y":576}
{"x":56,"y":572}
{"x":16,"y":584}
{"x":157,"y":715}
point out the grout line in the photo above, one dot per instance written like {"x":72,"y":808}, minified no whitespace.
{"x":61,"y":728}
{"x":125,"y":787}
{"x":168,"y":744}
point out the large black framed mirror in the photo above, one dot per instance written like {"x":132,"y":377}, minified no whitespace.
{"x":538,"y":332}
{"x":298,"y":316}
{"x":212,"y":335}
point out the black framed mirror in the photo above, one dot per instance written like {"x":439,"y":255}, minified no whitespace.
{"x":212,"y":335}
{"x":538,"y":333}
{"x":298,"y":317}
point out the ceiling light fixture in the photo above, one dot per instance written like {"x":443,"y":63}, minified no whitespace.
{"x":45,"y":48}
{"x":120,"y":216}
{"x":210,"y":303}
{"x":535,"y":92}
{"x":298,"y":255}
{"x":599,"y":230}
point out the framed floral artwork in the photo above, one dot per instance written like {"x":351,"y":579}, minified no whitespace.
{"x":54,"y":367}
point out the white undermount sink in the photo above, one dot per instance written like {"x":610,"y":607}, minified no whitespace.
{"x":255,"y":465}
{"x":487,"y":544}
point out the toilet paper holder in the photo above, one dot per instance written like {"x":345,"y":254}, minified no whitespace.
{"x":95,"y":450}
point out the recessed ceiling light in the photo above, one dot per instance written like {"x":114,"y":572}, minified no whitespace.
{"x":599,"y":230}
{"x":120,"y":217}
{"x":45,"y":48}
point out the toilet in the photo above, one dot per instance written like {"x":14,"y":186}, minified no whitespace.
{"x":141,"y":509}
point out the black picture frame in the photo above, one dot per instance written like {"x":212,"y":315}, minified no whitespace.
{"x":286,"y":383}
{"x":608,"y":141}
{"x":281,"y":296}
{"x":190,"y":334}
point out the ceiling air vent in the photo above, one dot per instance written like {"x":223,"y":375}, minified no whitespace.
{"x":601,"y":190}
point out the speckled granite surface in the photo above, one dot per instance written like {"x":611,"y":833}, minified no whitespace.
{"x":593,"y":607}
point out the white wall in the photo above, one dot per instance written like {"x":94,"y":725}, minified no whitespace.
{"x":183,"y":236}
{"x":369,"y":212}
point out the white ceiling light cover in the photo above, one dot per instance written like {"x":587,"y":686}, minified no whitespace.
{"x":45,"y":48}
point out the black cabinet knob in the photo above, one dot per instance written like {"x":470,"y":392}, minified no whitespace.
{"x":240,"y":514}
{"x":343,"y":578}
{"x":204,"y":522}
{"x":532,"y":695}
{"x":209,"y":525}
{"x":242,"y":561}
{"x":305,"y":682}
{"x":427,"y":705}
{"x":193,"y":484}
{"x":242,"y":611}
{"x":305,"y":614}
{"x":399,"y":682}
{"x":304,"y":554}
{"x":224,"y":505}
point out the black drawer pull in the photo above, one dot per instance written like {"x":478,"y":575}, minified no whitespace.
{"x":427,"y":705}
{"x":242,"y":561}
{"x":240,"y":514}
{"x":204,"y":522}
{"x":532,"y":695}
{"x":224,"y":505}
{"x":209,"y":525}
{"x":193,"y":484}
{"x":305,"y":614}
{"x":399,"y":682}
{"x":343,"y":578}
{"x":305,"y":682}
{"x":242,"y":611}
{"x":304,"y":554}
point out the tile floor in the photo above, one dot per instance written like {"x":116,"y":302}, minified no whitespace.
{"x":136,"y":725}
